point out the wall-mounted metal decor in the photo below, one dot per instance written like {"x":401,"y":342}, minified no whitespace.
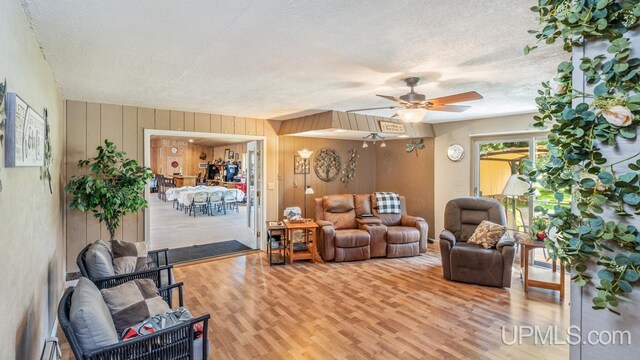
{"x":25,"y":134}
{"x":45,"y":172}
{"x":203,"y":156}
{"x":415,"y":145}
{"x":349,"y":170}
{"x":3,"y":90}
{"x":327,"y":164}
{"x":300,"y":166}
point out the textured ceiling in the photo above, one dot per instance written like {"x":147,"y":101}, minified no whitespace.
{"x":279,"y":59}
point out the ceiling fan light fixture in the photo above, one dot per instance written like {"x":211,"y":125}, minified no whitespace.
{"x":412,"y":115}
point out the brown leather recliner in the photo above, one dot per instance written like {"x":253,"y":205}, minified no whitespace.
{"x":472,"y":263}
{"x":344,"y":237}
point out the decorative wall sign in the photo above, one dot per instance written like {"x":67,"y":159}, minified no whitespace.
{"x":174,"y":164}
{"x":415,"y":145}
{"x":25,"y":133}
{"x":327,"y":164}
{"x":203,"y":156}
{"x":45,"y":172}
{"x":202,"y":165}
{"x":392,"y":127}
{"x":349,"y":170}
{"x":299,"y":165}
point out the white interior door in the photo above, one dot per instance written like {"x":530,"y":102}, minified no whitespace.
{"x":254,"y":184}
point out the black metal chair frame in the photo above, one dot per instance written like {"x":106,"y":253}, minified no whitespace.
{"x":164,"y":344}
{"x":154,"y":273}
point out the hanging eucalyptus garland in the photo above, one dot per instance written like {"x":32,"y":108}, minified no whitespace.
{"x":577,"y":164}
{"x":45,"y":172}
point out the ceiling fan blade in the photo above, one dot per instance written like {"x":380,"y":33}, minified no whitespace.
{"x":375,"y":108}
{"x":394,"y":99}
{"x":449,"y":108}
{"x":466,"y":96}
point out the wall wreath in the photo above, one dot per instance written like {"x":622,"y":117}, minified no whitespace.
{"x":327,"y":164}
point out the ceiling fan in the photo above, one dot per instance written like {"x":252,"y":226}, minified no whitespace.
{"x":412,"y":107}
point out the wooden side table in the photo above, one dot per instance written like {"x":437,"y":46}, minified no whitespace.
{"x":526,"y":245}
{"x":310,"y":235}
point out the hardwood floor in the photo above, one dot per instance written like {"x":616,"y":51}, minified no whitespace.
{"x":383,"y":309}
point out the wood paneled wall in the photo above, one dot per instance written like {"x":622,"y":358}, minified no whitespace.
{"x":188,"y":154}
{"x":88,"y":124}
{"x":292,"y":185}
{"x":409,"y":174}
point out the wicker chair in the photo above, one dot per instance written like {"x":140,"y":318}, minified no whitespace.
{"x":176,"y":342}
{"x":157,"y":260}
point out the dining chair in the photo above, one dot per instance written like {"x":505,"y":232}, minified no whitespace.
{"x":231,"y":199}
{"x":200,"y":202}
{"x":216,"y":201}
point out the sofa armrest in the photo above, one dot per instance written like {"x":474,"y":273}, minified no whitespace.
{"x":422,"y":226}
{"x":326,"y":240}
{"x":448,"y":236}
{"x":362,"y":222}
{"x":504,"y":241}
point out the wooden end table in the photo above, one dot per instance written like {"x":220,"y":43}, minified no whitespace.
{"x":526,"y":245}
{"x":310,"y":235}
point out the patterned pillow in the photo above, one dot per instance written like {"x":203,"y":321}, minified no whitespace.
{"x":487,"y":234}
{"x":388,"y":202}
{"x":129,"y":257}
{"x":133,"y":301}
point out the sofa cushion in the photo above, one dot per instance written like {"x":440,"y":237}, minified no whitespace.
{"x":487,"y":234}
{"x":98,"y":260}
{"x":475,"y":257}
{"x":402,"y":235}
{"x":129,"y":257}
{"x":90,"y":317}
{"x":133,"y":301}
{"x":386,"y":219}
{"x":340,"y":210}
{"x":352,"y":238}
{"x":338,"y":203}
{"x":362,"y":203}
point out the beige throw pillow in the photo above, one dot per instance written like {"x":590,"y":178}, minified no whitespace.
{"x":487,"y":234}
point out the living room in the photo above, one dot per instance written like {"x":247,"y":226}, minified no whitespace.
{"x":401,"y":179}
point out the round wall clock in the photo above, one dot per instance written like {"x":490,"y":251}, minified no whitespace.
{"x":174,"y":150}
{"x":455,"y":152}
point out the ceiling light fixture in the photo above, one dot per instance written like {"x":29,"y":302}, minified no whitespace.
{"x":412,"y":115}
{"x":340,"y":130}
{"x":373,"y":137}
{"x":190,"y":140}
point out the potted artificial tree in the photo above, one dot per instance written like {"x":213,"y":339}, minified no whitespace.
{"x":112,"y":188}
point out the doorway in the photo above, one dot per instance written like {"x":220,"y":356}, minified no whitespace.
{"x":205,"y":198}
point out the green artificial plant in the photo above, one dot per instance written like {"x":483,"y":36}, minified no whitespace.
{"x":579,"y":130}
{"x":112,"y":188}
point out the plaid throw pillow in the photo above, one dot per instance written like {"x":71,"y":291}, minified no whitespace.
{"x":132,"y":302}
{"x":129,"y":257}
{"x":487,"y":234}
{"x":388,"y":203}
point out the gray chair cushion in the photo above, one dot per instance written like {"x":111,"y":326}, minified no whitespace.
{"x":99,"y":261}
{"x":463,"y":215}
{"x":90,"y":317}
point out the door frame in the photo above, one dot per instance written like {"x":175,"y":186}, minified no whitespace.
{"x":478,"y":139}
{"x":263,"y":149}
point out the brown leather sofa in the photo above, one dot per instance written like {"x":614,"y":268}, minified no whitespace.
{"x":343,"y":236}
{"x":472,"y":263}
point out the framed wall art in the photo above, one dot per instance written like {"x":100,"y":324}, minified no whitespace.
{"x":299,"y":165}
{"x":24,"y":134}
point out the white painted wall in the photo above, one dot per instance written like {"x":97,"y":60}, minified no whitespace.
{"x":31,"y":219}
